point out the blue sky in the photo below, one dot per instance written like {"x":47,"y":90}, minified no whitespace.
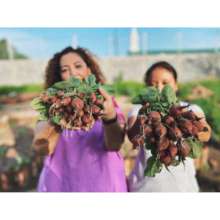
{"x":40,"y":43}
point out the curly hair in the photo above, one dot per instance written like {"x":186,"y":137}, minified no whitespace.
{"x":53,"y":68}
{"x":160,"y":64}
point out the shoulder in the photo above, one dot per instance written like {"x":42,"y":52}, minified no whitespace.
{"x":134,"y":111}
{"x":193,"y":107}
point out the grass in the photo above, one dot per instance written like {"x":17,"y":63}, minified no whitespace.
{"x":13,"y":90}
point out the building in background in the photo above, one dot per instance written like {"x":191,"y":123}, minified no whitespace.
{"x":134,"y":47}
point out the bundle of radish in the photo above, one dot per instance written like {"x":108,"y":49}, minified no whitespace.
{"x":168,"y":130}
{"x":72,"y":104}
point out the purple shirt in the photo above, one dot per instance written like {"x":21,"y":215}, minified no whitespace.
{"x":81,"y":163}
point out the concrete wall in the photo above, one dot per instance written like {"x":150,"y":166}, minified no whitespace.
{"x":189,"y":67}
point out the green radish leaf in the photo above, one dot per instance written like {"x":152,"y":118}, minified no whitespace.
{"x":75,"y":82}
{"x":91,"y":80}
{"x":196,"y":147}
{"x":51,"y":91}
{"x":168,"y":95}
{"x":153,"y":167}
{"x":63,"y":85}
{"x":71,"y":84}
{"x":43,"y":117}
{"x":152,"y":95}
{"x":56,"y":119}
{"x":37,"y":104}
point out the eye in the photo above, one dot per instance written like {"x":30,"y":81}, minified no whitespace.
{"x":63,"y":70}
{"x":78,"y":66}
{"x":165,"y":82}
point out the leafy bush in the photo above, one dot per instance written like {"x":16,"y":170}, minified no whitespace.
{"x":10,"y":89}
{"x":213,"y":85}
{"x":127,"y":88}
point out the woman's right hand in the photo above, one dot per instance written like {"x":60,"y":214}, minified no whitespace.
{"x":45,"y":138}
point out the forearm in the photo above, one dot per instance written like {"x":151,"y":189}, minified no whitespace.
{"x":114,"y":134}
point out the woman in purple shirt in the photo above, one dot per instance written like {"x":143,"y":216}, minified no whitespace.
{"x":84,"y":161}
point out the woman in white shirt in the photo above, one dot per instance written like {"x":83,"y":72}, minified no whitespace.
{"x":179,"y":178}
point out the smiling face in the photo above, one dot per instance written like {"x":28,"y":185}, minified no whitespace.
{"x":71,"y":64}
{"x":161,"y":77}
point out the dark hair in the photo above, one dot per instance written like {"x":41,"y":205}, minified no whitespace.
{"x":160,"y":64}
{"x":53,"y":68}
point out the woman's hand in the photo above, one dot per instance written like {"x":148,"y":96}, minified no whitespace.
{"x":109,"y":110}
{"x":45,"y":138}
{"x":204,"y":136}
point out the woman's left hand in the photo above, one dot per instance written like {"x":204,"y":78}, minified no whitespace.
{"x":204,"y":136}
{"x":109,"y":110}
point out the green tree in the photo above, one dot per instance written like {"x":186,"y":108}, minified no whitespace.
{"x":4,"y":52}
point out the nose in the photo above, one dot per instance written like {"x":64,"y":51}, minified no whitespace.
{"x":159,"y":86}
{"x":73,"y":72}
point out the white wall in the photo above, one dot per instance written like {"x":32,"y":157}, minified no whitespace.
{"x":189,"y":67}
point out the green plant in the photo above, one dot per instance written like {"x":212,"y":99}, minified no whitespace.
{"x":13,"y":90}
{"x":127,"y":88}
